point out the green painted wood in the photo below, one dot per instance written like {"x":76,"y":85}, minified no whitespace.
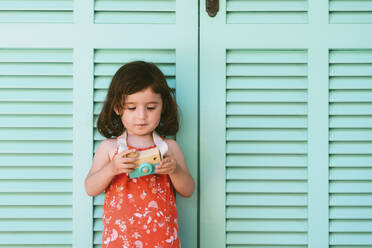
{"x":36,"y":11}
{"x":350,"y":11}
{"x":47,"y":74}
{"x":297,"y":128}
{"x":347,"y":222}
{"x":83,"y":151}
{"x":124,"y":11}
{"x":212,"y":133}
{"x":36,"y":188}
{"x":266,"y":11}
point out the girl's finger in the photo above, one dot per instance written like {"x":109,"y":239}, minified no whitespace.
{"x":128,"y":153}
{"x":129,"y":160}
{"x":165,"y":161}
{"x":161,"y":171}
{"x":127,"y":170}
{"x":128,"y":166}
{"x":164,"y":170}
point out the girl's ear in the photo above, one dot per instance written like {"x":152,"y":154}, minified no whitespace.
{"x":116,"y":110}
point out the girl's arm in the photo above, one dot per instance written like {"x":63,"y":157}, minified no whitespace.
{"x":104,"y":169}
{"x":180,"y":175}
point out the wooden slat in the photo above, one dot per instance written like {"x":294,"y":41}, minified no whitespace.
{"x":266,"y":212}
{"x":35,"y":212}
{"x":111,"y":17}
{"x":252,"y":95}
{"x":266,"y":17}
{"x":35,"y":238}
{"x":35,"y":82}
{"x":109,"y":69}
{"x":354,"y":134}
{"x":350,"y":82}
{"x":265,"y":56}
{"x":266,"y":109}
{"x":32,"y":199}
{"x":266,"y":173}
{"x":281,"y":69}
{"x":267,"y":199}
{"x":35,"y":172}
{"x":129,"y":11}
{"x":36,"y":185}
{"x":26,"y":16}
{"x":266,"y":135}
{"x":42,"y":225}
{"x":267,"y":11}
{"x":266,"y":238}
{"x":135,"y":6}
{"x":270,"y":147}
{"x":266,"y":225}
{"x":273,"y":121}
{"x":26,"y":147}
{"x":36,"y":5}
{"x":266,"y":186}
{"x":351,"y":199}
{"x":259,"y":160}
{"x":22,"y":158}
{"x":37,"y":95}
{"x":39,"y":69}
{"x":244,"y":82}
{"x":127,"y":55}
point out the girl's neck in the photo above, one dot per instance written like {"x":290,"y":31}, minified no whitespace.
{"x":142,"y":141}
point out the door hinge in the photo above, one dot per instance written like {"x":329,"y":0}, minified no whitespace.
{"x":212,"y":7}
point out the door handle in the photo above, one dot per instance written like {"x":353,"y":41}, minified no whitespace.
{"x":212,"y":7}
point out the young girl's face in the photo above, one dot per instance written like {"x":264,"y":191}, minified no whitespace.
{"x":142,"y":111}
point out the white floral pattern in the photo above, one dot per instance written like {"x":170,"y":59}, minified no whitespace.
{"x":140,"y":213}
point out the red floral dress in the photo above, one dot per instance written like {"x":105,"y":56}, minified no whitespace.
{"x":140,"y":212}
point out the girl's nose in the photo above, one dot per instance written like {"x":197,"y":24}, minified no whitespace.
{"x":142,"y":113}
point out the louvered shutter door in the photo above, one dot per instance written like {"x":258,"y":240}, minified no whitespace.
{"x":56,"y":62}
{"x":350,"y":178}
{"x":266,"y":147}
{"x":36,"y":147}
{"x":285,"y":92}
{"x":106,"y":63}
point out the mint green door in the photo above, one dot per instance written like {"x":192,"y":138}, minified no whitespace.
{"x":286,"y":124}
{"x":285,"y":117}
{"x":56,"y":62}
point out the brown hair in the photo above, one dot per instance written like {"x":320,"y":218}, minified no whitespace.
{"x":129,"y":79}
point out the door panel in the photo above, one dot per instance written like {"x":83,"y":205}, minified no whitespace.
{"x":274,"y":123}
{"x":36,"y":149}
{"x":53,"y":78}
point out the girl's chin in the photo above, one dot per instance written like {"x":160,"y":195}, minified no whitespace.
{"x":140,"y":132}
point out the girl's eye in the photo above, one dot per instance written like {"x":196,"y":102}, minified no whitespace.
{"x":151,"y":108}
{"x":131,"y":108}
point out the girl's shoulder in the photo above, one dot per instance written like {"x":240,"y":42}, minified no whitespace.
{"x":172,"y":145}
{"x":108,"y":146}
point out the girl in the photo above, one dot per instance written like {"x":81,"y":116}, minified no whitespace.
{"x":139,"y":212}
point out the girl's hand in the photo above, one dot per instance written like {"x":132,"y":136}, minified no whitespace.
{"x":124,"y":162}
{"x":167,"y":166}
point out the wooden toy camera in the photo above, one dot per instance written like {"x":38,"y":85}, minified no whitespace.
{"x":147,"y":162}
